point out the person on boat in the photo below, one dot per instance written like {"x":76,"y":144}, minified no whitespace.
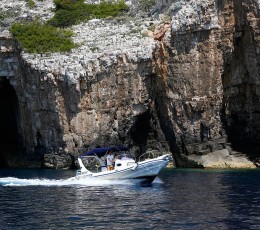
{"x":110,"y":160}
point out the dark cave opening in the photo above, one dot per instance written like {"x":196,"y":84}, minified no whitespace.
{"x":140,"y":131}
{"x":9,"y":138}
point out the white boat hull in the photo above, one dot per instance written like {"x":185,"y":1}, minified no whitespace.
{"x":145,"y":171}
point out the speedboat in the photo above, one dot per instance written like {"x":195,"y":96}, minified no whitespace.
{"x":125,"y":166}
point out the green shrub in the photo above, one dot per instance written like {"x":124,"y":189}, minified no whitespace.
{"x":68,"y":4}
{"x":64,"y":18}
{"x":35,"y":37}
{"x":146,"y":5}
{"x":8,"y":14}
{"x":71,"y":12}
{"x":31,"y":3}
{"x":2,"y":16}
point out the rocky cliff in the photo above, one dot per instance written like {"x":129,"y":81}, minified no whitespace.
{"x":189,"y":86}
{"x":209,"y":66}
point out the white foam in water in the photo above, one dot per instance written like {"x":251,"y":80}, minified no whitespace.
{"x":158,"y":180}
{"x":12,"y":181}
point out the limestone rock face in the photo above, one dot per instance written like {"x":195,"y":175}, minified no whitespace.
{"x":189,"y":71}
{"x":204,"y":65}
{"x":9,"y":63}
{"x":191,"y":88}
{"x":13,"y":10}
{"x":241,"y":79}
{"x":95,"y":96}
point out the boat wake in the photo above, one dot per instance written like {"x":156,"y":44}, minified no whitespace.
{"x":13,"y":181}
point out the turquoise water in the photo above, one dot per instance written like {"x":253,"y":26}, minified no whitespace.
{"x":178,"y":199}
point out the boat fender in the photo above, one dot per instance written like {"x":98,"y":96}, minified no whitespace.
{"x":134,"y":168}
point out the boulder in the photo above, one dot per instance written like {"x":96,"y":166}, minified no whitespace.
{"x":58,"y":161}
{"x":221,"y":159}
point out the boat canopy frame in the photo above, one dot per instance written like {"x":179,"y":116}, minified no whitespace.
{"x":100,"y":152}
{"x":97,"y":153}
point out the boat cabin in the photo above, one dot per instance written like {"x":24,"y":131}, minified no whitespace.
{"x":95,"y":159}
{"x":123,"y":161}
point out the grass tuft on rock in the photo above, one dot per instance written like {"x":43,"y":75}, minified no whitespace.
{"x":35,"y":37}
{"x":71,"y":12}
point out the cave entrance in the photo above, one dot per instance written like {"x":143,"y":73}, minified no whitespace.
{"x":140,"y":131}
{"x":9,"y":138}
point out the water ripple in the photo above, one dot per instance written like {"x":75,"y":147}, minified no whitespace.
{"x":180,"y":199}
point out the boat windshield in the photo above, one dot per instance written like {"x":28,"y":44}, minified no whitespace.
{"x":91,"y":163}
{"x":125,"y":156}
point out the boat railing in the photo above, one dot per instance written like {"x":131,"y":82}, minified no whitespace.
{"x":149,"y":155}
{"x":143,"y":157}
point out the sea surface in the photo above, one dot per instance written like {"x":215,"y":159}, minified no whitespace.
{"x":177,"y":199}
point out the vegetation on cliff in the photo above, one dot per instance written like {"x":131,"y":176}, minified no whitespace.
{"x":36,"y":37}
{"x":147,"y":5}
{"x":30,"y":3}
{"x":68,"y":12}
